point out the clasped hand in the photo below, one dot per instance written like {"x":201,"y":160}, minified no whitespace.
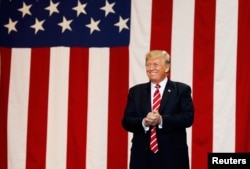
{"x":152,"y":119}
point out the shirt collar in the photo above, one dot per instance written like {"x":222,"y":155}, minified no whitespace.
{"x":162,"y":83}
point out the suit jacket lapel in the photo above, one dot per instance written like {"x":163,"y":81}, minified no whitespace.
{"x":166,"y":94}
{"x":147,"y":98}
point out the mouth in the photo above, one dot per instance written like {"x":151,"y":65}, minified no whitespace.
{"x":152,"y":73}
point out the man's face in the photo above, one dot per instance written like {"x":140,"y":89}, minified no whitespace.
{"x":156,"y":69}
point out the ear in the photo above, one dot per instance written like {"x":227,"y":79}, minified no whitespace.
{"x":167,"y":69}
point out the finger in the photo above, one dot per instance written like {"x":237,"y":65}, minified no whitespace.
{"x":155,"y":112}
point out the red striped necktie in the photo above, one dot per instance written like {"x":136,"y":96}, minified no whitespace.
{"x":155,"y":107}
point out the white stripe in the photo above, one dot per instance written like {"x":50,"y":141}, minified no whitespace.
{"x":182,"y":41}
{"x":182,"y":47}
{"x":18,"y":108}
{"x":57,"y":109}
{"x":225,"y":76}
{"x":139,"y":45}
{"x":139,"y":40}
{"x":97,"y":108}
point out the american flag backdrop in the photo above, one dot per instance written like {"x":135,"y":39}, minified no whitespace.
{"x":66,"y":66}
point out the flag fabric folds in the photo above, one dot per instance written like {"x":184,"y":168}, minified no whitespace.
{"x":66,"y":67}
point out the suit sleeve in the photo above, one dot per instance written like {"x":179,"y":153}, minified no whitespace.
{"x":132,"y":119}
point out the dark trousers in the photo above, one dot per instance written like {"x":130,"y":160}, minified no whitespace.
{"x":152,"y":160}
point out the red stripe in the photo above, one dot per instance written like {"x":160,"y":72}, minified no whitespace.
{"x":5,"y":59}
{"x":118,"y":89}
{"x":37,"y":108}
{"x":161,"y":25}
{"x":243,"y":79}
{"x":77,"y":111}
{"x":203,"y":72}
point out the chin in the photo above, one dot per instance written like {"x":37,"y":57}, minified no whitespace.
{"x":154,"y":80}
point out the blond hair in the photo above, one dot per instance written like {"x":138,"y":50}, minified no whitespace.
{"x":158,"y":53}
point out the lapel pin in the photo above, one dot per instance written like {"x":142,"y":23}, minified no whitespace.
{"x":169,"y":90}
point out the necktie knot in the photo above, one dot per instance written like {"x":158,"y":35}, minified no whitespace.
{"x":157,"y":86}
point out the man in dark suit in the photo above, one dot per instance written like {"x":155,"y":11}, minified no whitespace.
{"x":170,"y":120}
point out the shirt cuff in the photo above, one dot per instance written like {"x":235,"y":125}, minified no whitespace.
{"x":146,"y":128}
{"x":160,"y":126}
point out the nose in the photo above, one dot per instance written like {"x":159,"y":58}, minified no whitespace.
{"x":150,"y":67}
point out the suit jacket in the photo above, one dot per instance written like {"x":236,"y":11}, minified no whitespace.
{"x":177,"y":112}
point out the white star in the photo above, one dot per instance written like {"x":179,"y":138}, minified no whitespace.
{"x":93,"y":25}
{"x":52,"y":8}
{"x":11,"y":26}
{"x":25,"y":9}
{"x":65,"y":24}
{"x":122,"y":24}
{"x":38,"y":25}
{"x":80,"y":8}
{"x":108,"y":8}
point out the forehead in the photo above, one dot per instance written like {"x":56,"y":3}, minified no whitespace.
{"x":155,"y":59}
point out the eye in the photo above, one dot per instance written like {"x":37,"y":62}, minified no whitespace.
{"x":148,"y":65}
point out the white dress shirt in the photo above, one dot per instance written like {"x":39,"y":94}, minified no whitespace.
{"x":161,"y":90}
